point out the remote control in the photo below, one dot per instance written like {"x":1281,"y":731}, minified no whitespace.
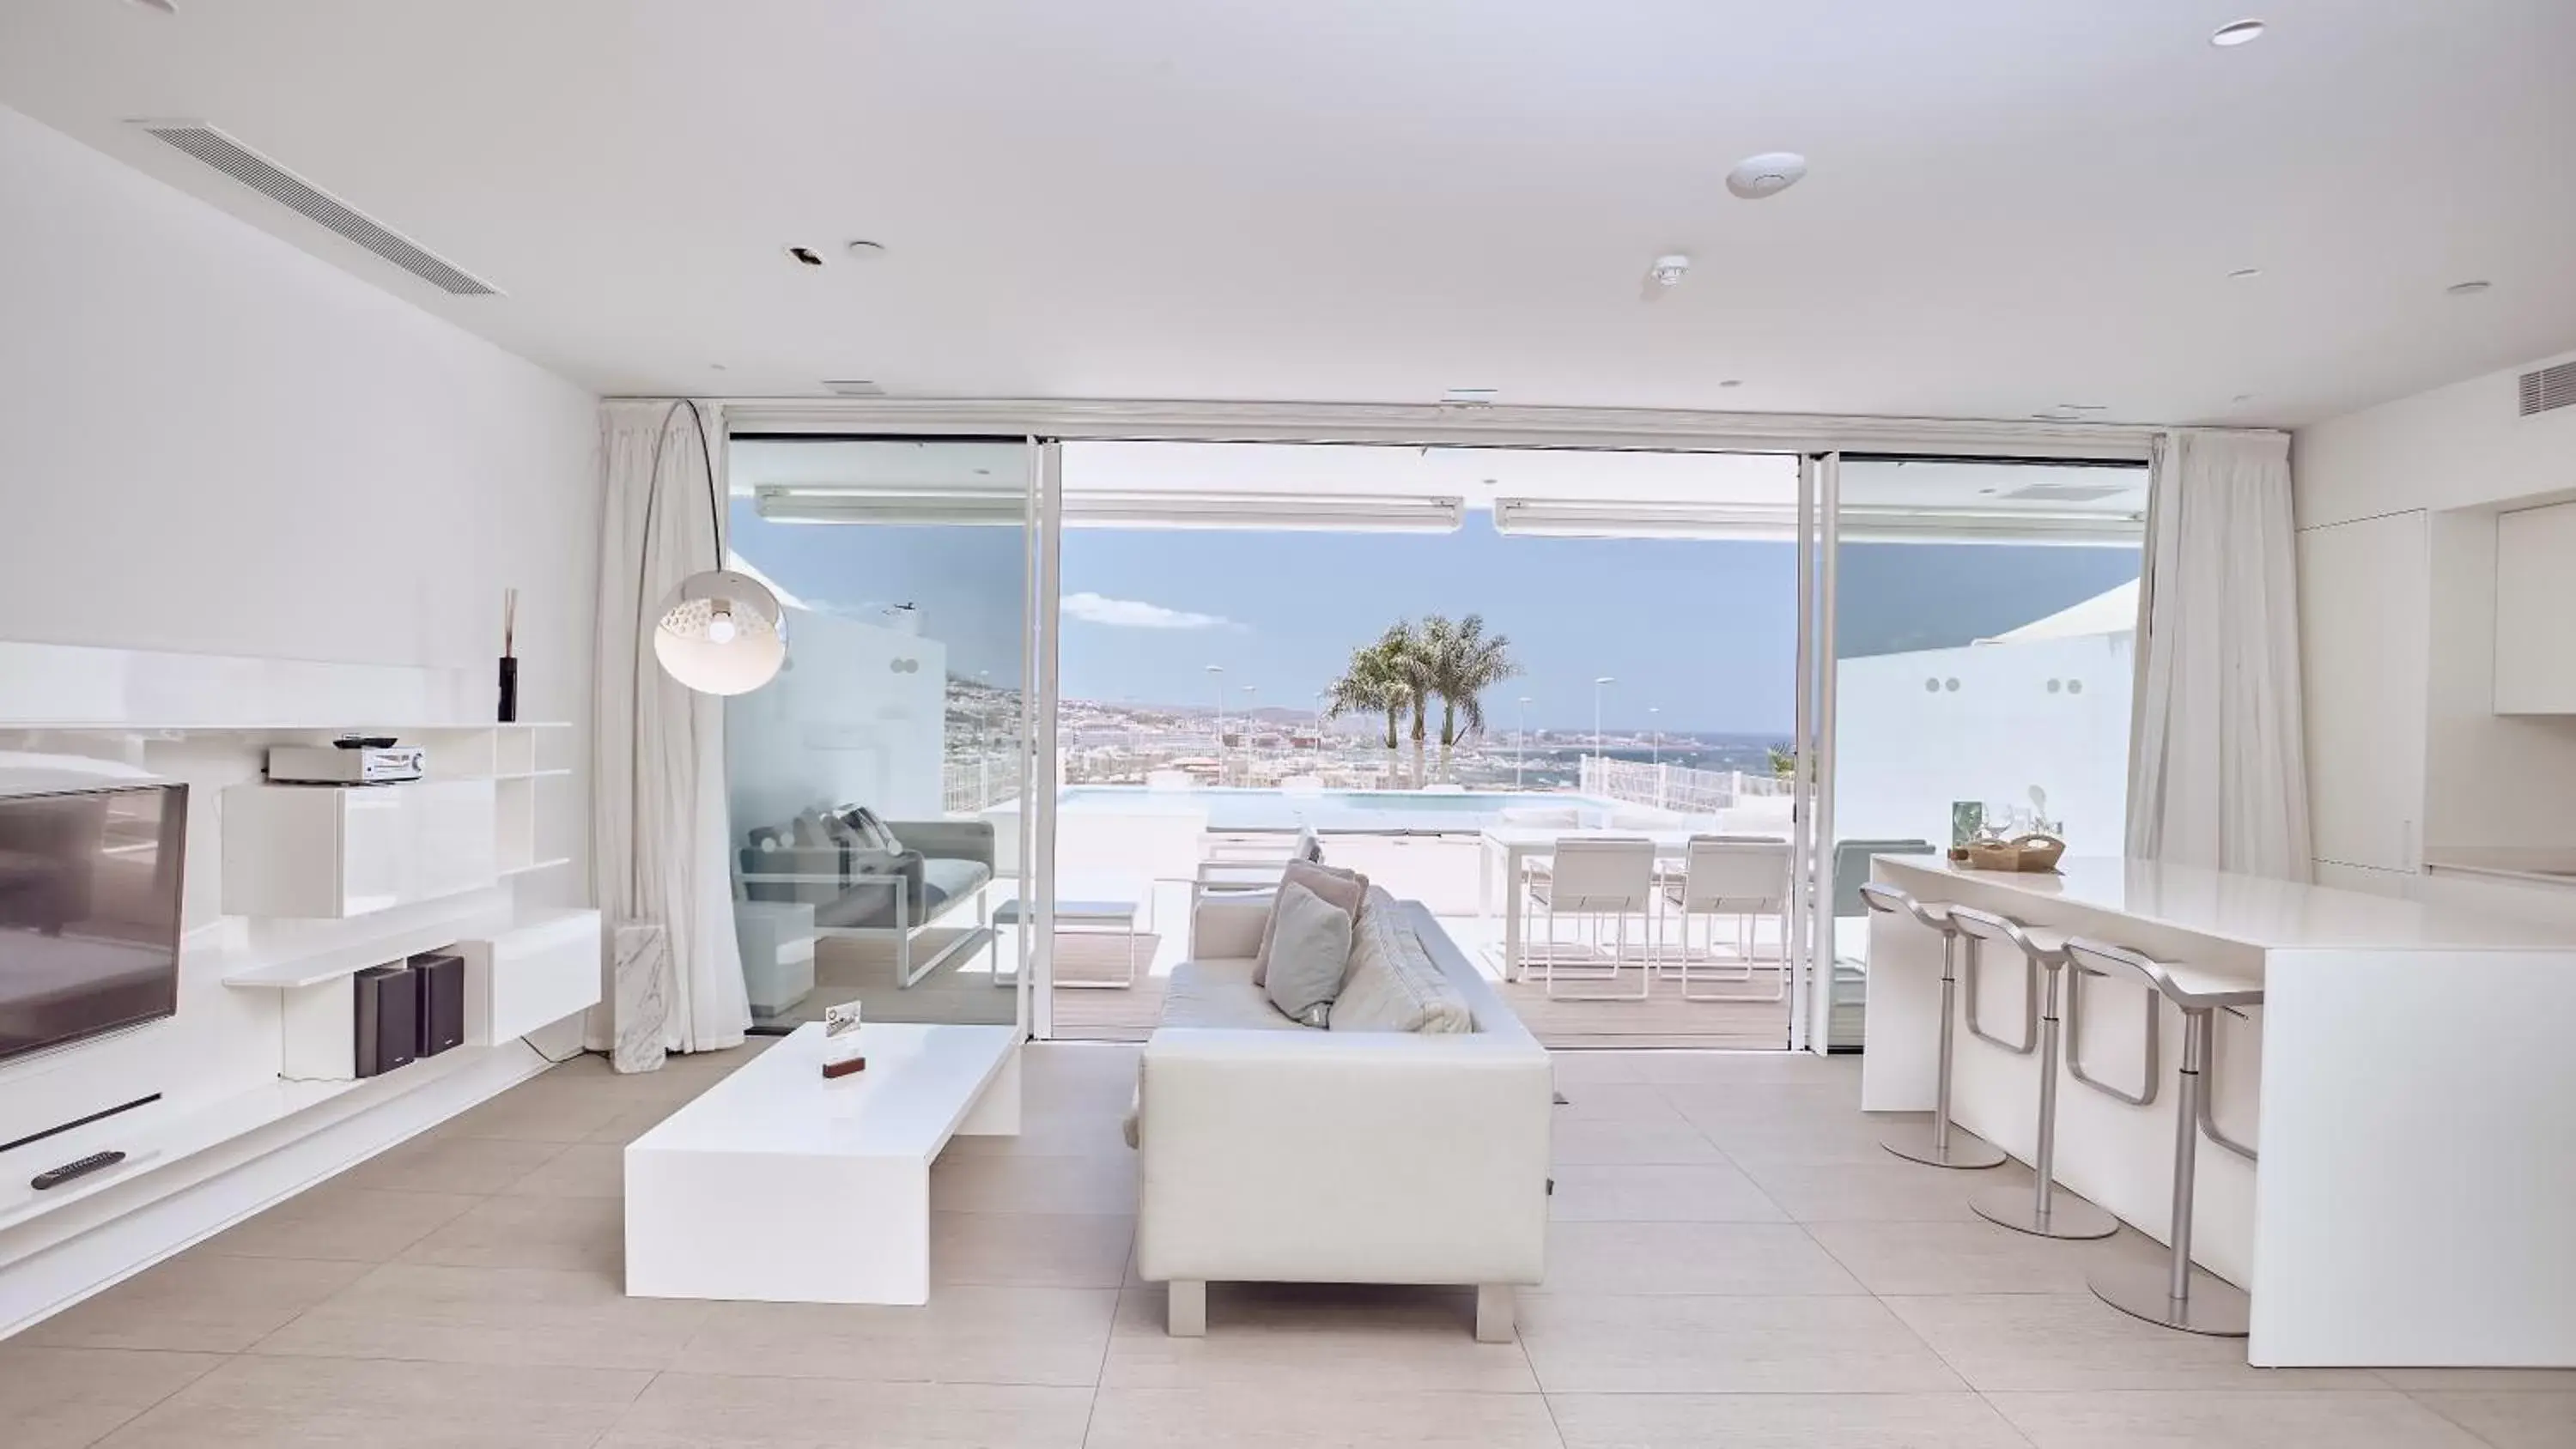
{"x":57,"y":1176}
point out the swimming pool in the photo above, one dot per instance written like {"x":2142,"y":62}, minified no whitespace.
{"x":1410,"y":812}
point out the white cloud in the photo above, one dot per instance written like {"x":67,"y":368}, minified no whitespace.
{"x":1137,"y":614}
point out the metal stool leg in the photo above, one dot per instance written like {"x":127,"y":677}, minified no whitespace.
{"x":1940,"y":1144}
{"x":2046,"y":1214}
{"x":2176,"y":1295}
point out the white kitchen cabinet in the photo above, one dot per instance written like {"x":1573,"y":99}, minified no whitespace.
{"x":332,"y":852}
{"x":2365,"y":619}
{"x":2535,"y":629}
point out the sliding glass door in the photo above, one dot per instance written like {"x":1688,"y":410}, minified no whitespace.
{"x":1971,"y":651}
{"x":883,"y":822}
{"x":1841,"y":654}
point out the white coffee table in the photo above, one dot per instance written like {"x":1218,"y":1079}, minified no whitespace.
{"x":780,"y":1187}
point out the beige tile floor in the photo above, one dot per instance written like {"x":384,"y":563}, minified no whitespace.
{"x":1733,"y":1264}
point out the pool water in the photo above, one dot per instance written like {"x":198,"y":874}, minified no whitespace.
{"x":1390,"y":811}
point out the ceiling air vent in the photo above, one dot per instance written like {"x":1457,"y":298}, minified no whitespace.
{"x":2550,"y":387}
{"x":302,"y":197}
{"x":853,"y":387}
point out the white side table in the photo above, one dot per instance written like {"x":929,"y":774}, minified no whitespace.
{"x":777,"y":940}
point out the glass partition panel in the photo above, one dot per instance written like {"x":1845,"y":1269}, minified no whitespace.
{"x":874,"y":788}
{"x":1983,"y":657}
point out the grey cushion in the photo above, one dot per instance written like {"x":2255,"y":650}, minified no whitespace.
{"x":943,"y":880}
{"x":1344,"y":888}
{"x":932,"y":886}
{"x":1310,"y":953}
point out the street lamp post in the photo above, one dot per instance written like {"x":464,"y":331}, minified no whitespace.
{"x":1251,"y":723}
{"x":1216,"y":680}
{"x":1520,"y":750}
{"x":1604,"y":682}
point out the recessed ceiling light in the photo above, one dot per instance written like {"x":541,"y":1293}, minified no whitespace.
{"x":2467,"y":289}
{"x":1768,"y":174}
{"x":866,"y":250}
{"x":1470,"y":397}
{"x":2235,"y":33}
{"x":1669,"y":269}
{"x":164,"y":7}
{"x":2244,"y":274}
{"x":1731,"y":382}
{"x":2242,"y":398}
{"x":715,"y":367}
{"x":805,"y":256}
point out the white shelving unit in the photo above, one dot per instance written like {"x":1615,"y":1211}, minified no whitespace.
{"x":329,"y":881}
{"x":325,"y":851}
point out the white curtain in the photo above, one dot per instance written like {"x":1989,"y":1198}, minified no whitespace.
{"x":659,"y":831}
{"x":2218,"y":761}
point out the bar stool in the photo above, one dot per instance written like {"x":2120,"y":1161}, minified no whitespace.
{"x":2046,"y":1213}
{"x":1940,"y":1144}
{"x":2177,"y":1295}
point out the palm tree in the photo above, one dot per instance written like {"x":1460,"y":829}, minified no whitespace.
{"x":1460,"y":662}
{"x":1376,"y":682}
{"x":1418,"y":658}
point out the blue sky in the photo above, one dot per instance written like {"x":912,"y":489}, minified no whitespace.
{"x":1704,"y":629}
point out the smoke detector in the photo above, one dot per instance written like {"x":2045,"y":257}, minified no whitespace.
{"x":1766,"y":175}
{"x":1668,"y":271}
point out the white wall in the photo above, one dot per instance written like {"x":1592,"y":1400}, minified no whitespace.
{"x":1903,"y":753}
{"x":2448,"y":448}
{"x":2459,"y":453}
{"x":213,"y":443}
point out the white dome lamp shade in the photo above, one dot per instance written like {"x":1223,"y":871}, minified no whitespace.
{"x":721,"y":632}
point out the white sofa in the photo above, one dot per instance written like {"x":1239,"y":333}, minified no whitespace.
{"x":1268,"y":1151}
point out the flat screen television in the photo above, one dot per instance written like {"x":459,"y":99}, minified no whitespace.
{"x":89,"y":910}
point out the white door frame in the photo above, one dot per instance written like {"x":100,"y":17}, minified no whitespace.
{"x":1038,"y":763}
{"x":1817,"y":439}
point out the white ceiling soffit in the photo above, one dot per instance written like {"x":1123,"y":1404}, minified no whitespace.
{"x":1096,"y":422}
{"x":1294,"y":512}
{"x":1855,"y":522}
{"x":2012,"y":208}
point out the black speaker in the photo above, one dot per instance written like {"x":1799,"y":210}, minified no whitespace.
{"x":388,"y":1018}
{"x":442,"y":1001}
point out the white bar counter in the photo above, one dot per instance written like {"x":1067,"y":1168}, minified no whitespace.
{"x":2410,"y":1084}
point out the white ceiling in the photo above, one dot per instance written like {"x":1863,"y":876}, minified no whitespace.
{"x":2014,"y":204}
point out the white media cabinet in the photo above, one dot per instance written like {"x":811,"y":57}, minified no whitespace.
{"x":291,"y":891}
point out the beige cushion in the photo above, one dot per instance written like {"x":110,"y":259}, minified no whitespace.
{"x":1394,"y":984}
{"x":1344,"y":888}
{"x":1220,"y":993}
